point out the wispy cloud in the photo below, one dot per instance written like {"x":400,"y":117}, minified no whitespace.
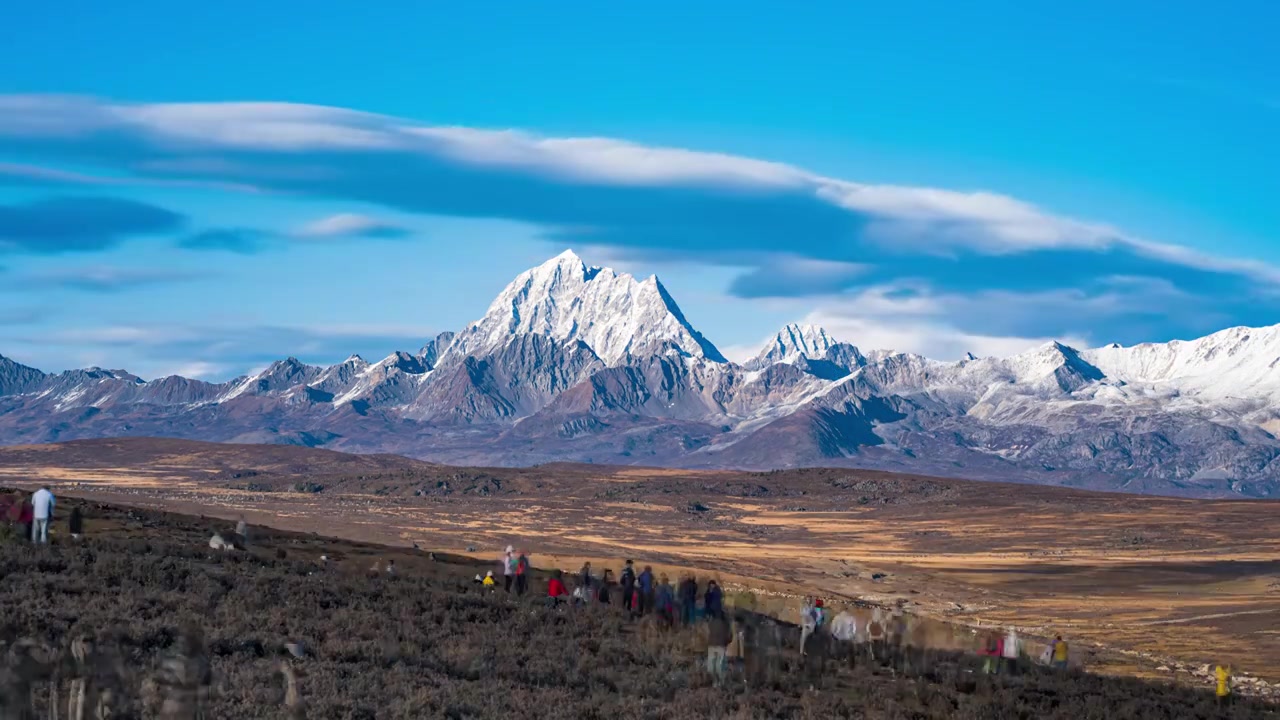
{"x":106,"y":279}
{"x":931,"y":339}
{"x":244,"y":241}
{"x":247,"y":241}
{"x":37,"y":176}
{"x":22,"y":315}
{"x":794,"y":233}
{"x":219,"y":351}
{"x":79,"y":224}
{"x":347,"y":225}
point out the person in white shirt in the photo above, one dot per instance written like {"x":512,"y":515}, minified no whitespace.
{"x":845,"y":627}
{"x":42,"y":511}
{"x":1012,"y":651}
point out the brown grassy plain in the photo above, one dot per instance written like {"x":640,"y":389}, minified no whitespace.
{"x":1141,"y":585}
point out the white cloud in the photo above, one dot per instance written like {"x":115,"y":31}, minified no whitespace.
{"x":349,"y":225}
{"x":105,"y":278}
{"x":935,"y":340}
{"x":211,"y":352}
{"x":197,"y":370}
{"x":191,"y":132}
{"x":742,"y":353}
{"x":791,"y":231}
{"x":190,"y":136}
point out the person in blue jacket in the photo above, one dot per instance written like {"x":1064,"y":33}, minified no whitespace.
{"x":646,"y":590}
{"x":713,"y":600}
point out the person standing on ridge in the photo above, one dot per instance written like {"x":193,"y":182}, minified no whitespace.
{"x":994,"y":652}
{"x":606,"y":587}
{"x":688,"y":599}
{"x":1060,"y":653}
{"x":1012,"y":651}
{"x":75,"y":523}
{"x":556,"y":591}
{"x":26,"y":519}
{"x":508,"y":568}
{"x":808,"y":623}
{"x":666,"y":602}
{"x":713,"y":600}
{"x":584,"y":577}
{"x":628,"y":583}
{"x":522,"y":574}
{"x":646,"y":590}
{"x":718,"y":638}
{"x":42,"y":503}
{"x":1223,"y":675}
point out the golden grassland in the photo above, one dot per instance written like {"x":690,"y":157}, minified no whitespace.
{"x":1156,"y":580}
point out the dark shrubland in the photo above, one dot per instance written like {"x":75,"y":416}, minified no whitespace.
{"x":427,"y":642}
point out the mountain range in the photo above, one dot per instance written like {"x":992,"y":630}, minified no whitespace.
{"x":579,"y":363}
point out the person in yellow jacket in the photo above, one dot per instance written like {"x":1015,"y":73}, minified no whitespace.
{"x":488,"y":580}
{"x":1060,"y":653}
{"x":1223,"y":674}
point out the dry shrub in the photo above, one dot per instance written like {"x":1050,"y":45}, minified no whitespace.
{"x":428,"y":643}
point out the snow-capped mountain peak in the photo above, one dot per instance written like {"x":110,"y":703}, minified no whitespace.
{"x":1055,"y":363}
{"x":616,"y":315}
{"x":1233,"y":363}
{"x":796,"y":341}
{"x":579,"y":362}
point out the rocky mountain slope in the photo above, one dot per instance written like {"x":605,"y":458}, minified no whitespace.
{"x":581,"y":363}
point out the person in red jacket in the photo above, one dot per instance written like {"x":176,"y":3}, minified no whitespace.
{"x":26,"y":518}
{"x":994,"y":652}
{"x":556,"y":591}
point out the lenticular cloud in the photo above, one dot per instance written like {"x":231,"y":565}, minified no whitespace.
{"x":712,"y":207}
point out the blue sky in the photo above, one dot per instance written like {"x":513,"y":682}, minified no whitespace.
{"x":935,"y":177}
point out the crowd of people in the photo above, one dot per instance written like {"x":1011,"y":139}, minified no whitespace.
{"x":880,"y":636}
{"x":32,"y":515}
{"x":640,"y":592}
{"x":883,"y":635}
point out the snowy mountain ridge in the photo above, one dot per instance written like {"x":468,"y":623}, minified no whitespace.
{"x":572,"y":362}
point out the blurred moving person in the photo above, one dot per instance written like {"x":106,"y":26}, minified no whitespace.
{"x":845,"y":629}
{"x":718,"y":638}
{"x":665,"y":601}
{"x":509,"y":560}
{"x":1012,"y":651}
{"x":994,"y":652}
{"x":26,"y":519}
{"x":628,"y":583}
{"x":811,"y":615}
{"x":1223,"y":675}
{"x":606,"y":587}
{"x":556,"y":591}
{"x":1060,"y":653}
{"x":713,"y":600}
{"x":646,"y":590}
{"x":42,"y":503}
{"x":688,"y":596}
{"x":75,"y":523}
{"x":522,"y":574}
